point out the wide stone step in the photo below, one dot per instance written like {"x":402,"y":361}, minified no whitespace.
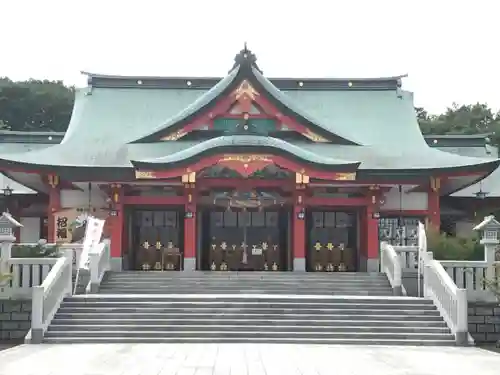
{"x":251,"y":299}
{"x":271,"y":275}
{"x":164,"y":329}
{"x":253,"y":339}
{"x":238,"y":305}
{"x":434,"y":317}
{"x":250,"y":334}
{"x":367,"y":322}
{"x":224,"y":310}
{"x":359,"y":292}
{"x":204,"y":282}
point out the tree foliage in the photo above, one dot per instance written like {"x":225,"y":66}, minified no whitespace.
{"x":476,"y":118}
{"x":35,"y":105}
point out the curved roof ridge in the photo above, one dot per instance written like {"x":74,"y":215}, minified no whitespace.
{"x":244,"y":141}
{"x":305,"y":79}
{"x":202,"y":101}
{"x":294,"y":107}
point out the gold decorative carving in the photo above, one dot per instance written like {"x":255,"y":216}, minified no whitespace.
{"x":275,"y":266}
{"x":245,"y":89}
{"x":174,"y":136}
{"x":53,"y":180}
{"x":318,"y":246}
{"x":158,"y":266}
{"x":435,"y":183}
{"x":145,"y":245}
{"x":223,"y":245}
{"x":145,"y":175}
{"x":213,"y":267}
{"x":158,"y":245}
{"x":330,"y":267}
{"x":145,"y":267}
{"x":314,"y":137}
{"x":330,"y":246}
{"x":318,"y":267}
{"x":223,"y":266}
{"x":266,"y":267}
{"x":345,"y":176}
{"x":246,"y":158}
{"x":342,"y":267}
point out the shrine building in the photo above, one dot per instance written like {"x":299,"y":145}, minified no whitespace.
{"x":243,"y":172}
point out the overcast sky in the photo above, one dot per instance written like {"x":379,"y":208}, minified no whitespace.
{"x":450,"y":49}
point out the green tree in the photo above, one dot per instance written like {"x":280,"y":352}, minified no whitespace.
{"x":462,"y":119}
{"x":35,"y":105}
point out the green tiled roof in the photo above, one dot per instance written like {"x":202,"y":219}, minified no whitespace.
{"x":380,"y":125}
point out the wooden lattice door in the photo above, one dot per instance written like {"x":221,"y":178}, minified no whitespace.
{"x":157,"y":242}
{"x":332,"y":241}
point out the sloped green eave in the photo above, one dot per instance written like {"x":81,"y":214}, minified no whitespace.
{"x":286,"y":102}
{"x":237,"y":143}
{"x":186,"y":113}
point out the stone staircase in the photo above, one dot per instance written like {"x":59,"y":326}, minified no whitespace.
{"x":343,"y":308}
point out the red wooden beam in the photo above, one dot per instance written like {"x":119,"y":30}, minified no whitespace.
{"x":152,"y":200}
{"x":404,"y":212}
{"x":210,"y":183}
{"x":341,"y":202}
{"x":215,"y":159}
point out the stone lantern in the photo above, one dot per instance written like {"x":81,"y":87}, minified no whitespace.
{"x":489,"y":229}
{"x":7,"y":226}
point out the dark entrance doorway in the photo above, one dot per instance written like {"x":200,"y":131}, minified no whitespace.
{"x":244,"y":240}
{"x":332,"y":241}
{"x":157,"y":240}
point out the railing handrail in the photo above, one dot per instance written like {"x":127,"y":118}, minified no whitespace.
{"x":464,"y":263}
{"x":47,"y":297}
{"x":391,"y":266}
{"x":41,"y":261}
{"x":99,"y":263}
{"x":447,"y":280}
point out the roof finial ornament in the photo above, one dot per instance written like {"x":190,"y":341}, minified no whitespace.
{"x":245,"y":59}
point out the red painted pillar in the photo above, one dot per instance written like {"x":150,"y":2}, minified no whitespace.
{"x":299,"y":233}
{"x":362,"y":238}
{"x":53,"y":206}
{"x":116,"y":226}
{"x":189,"y":229}
{"x":433,"y":207}
{"x":372,"y":240}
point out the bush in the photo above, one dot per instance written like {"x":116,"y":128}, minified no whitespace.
{"x":40,"y":250}
{"x":446,"y":247}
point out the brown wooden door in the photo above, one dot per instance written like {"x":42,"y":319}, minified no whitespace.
{"x":244,"y":240}
{"x":157,"y":240}
{"x":332,"y":241}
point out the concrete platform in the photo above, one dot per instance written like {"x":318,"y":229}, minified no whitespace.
{"x":243,"y":359}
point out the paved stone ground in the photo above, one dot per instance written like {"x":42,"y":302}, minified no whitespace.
{"x":243,"y":359}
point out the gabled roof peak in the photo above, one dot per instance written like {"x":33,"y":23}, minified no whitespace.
{"x":245,"y":59}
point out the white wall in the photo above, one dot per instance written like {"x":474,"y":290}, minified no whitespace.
{"x":80,"y":199}
{"x":30,"y":231}
{"x":409,"y":201}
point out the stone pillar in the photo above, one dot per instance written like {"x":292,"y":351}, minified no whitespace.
{"x":53,"y":206}
{"x":299,"y":233}
{"x":189,"y":228}
{"x":116,"y":227}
